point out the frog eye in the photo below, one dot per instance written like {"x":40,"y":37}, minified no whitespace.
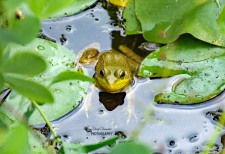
{"x":102,"y":73}
{"x":122,"y":74}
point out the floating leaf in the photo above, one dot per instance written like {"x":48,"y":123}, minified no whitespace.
{"x":45,"y":8}
{"x":38,"y":143}
{"x":75,"y":7}
{"x":67,"y":94}
{"x":71,"y":75}
{"x":132,"y":24}
{"x":131,"y":148}
{"x":164,"y":21}
{"x":24,"y":62}
{"x":30,"y":89}
{"x":56,"y":8}
{"x":203,"y":63}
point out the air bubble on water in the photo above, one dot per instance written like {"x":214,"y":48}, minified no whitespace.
{"x":40,"y":47}
{"x":193,"y":138}
{"x":69,"y":28}
{"x":171,"y":143}
{"x":101,"y":111}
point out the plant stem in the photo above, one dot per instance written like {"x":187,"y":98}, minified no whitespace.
{"x":47,"y":121}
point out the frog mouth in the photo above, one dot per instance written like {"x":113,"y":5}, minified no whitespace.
{"x":115,"y":88}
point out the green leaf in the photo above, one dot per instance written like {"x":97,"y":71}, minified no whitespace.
{"x":203,"y":63}
{"x":30,"y":89}
{"x":1,"y":82}
{"x":164,"y":21}
{"x":133,"y":25}
{"x":57,"y":8}
{"x":26,"y":63}
{"x":221,"y":21}
{"x":5,"y":123}
{"x":90,"y":147}
{"x":11,"y":4}
{"x":75,"y":7}
{"x":36,"y":6}
{"x":16,"y":141}
{"x":53,"y":6}
{"x":21,"y":32}
{"x":131,"y":148}
{"x":71,"y":75}
{"x":69,"y":93}
{"x":37,"y":142}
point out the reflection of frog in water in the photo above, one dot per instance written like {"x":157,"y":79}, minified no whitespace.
{"x":114,"y":72}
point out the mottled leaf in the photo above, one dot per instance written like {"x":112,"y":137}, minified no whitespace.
{"x":202,"y":63}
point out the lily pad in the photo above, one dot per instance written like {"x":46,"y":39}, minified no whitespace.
{"x":75,"y":7}
{"x":39,"y":144}
{"x":44,"y":9}
{"x":164,"y":21}
{"x":202,"y":63}
{"x":67,"y":94}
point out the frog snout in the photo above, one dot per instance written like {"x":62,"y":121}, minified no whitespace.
{"x":111,"y":80}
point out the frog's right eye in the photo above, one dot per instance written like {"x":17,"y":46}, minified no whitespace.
{"x":102,"y":73}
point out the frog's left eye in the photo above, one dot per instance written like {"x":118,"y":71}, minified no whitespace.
{"x":122,"y":74}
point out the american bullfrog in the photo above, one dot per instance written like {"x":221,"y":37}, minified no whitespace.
{"x":114,"y":71}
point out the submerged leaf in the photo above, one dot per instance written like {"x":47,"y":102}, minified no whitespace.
{"x":25,"y":63}
{"x":164,"y":21}
{"x":203,"y":64}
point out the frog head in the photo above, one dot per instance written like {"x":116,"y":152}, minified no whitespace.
{"x":112,"y":72}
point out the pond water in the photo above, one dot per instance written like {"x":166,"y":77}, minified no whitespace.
{"x":166,"y":128}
